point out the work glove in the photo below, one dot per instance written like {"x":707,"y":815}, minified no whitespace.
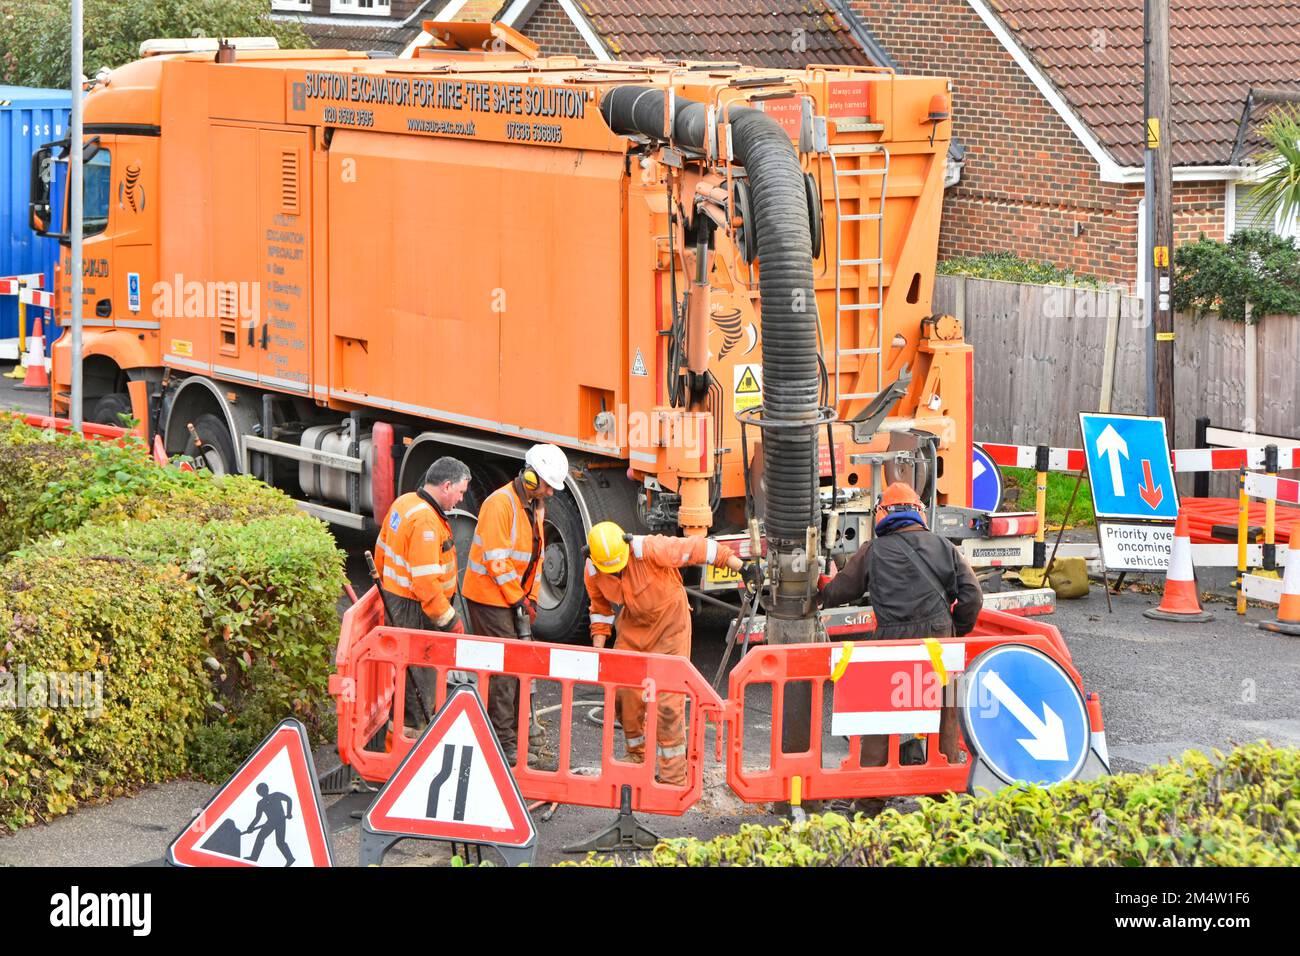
{"x":751,"y":572}
{"x":829,"y":576}
{"x":529,"y":607}
{"x":457,"y":625}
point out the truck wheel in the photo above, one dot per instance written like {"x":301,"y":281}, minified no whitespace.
{"x":108,"y":407}
{"x":562,"y":601}
{"x":218,"y":446}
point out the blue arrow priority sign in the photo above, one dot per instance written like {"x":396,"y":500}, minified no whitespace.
{"x":1128,"y":466}
{"x":1023,"y":715}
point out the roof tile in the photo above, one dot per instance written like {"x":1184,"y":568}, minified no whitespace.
{"x":1091,"y":50}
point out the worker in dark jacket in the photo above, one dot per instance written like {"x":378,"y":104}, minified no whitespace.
{"x":918,"y":585}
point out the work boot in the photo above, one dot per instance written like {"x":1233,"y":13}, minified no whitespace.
{"x":542,"y":759}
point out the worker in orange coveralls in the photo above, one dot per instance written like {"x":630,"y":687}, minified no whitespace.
{"x":640,"y":574}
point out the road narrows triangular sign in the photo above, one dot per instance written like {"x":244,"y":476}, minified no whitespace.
{"x":267,"y":814}
{"x":455,"y":783}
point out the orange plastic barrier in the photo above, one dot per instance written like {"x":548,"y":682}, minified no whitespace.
{"x":88,"y":429}
{"x":1204,"y":513}
{"x":803,"y":774}
{"x":370,"y":686}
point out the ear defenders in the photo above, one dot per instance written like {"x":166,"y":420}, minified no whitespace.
{"x":530,"y":479}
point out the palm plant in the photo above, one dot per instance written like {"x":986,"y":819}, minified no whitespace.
{"x":1279,"y":191}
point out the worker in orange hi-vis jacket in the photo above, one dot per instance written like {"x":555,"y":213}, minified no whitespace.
{"x":503,"y":580}
{"x":640,"y":574}
{"x":415,"y":558}
{"x":415,"y":555}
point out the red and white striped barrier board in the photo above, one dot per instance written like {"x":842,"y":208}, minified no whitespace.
{"x":1273,"y":488}
{"x":1231,"y":459}
{"x":868,"y":697}
{"x":1026,"y":456}
{"x":11,"y":285}
{"x":1184,"y":459}
{"x":36,"y":297}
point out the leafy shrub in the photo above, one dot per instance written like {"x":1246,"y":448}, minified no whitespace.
{"x":1255,"y":266}
{"x":267,"y":593}
{"x":265,"y":577}
{"x":1009,"y":267}
{"x":1239,"y":810}
{"x":137,"y":626}
{"x":54,"y":483}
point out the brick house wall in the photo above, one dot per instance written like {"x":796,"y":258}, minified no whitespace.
{"x":551,"y":29}
{"x":1028,"y":184}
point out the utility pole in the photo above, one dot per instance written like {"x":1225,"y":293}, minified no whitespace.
{"x":75,"y":228}
{"x":1158,"y":295}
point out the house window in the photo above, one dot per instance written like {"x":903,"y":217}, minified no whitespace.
{"x":297,"y":6}
{"x":1248,"y":214}
{"x":377,"y":8}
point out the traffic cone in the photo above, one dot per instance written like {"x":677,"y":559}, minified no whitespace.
{"x":37,"y":376}
{"x":1181,"y":602}
{"x":1288,"y":610}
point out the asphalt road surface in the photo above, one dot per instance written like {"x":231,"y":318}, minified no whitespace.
{"x":1164,"y":688}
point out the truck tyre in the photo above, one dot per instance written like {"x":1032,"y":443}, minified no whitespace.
{"x":108,"y":407}
{"x":218,"y":446}
{"x":562,"y":601}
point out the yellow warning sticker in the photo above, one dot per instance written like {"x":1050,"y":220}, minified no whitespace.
{"x":1153,"y":132}
{"x":747,"y":387}
{"x":182,"y":347}
{"x":1161,"y":256}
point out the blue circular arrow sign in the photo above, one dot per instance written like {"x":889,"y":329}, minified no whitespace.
{"x":1022,"y":713}
{"x":986,"y":481}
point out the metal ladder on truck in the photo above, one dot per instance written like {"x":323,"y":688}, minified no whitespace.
{"x":865,"y":152}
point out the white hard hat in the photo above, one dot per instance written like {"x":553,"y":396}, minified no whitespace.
{"x":551,"y":464}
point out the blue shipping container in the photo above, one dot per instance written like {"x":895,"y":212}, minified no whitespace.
{"x":29,"y":118}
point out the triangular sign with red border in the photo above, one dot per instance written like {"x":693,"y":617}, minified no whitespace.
{"x":268,"y":814}
{"x":455,"y":784}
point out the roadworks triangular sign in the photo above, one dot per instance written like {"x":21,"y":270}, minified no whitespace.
{"x":268,"y":814}
{"x":455,"y":783}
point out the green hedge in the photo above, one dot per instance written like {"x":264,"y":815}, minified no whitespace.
{"x":1238,"y":810}
{"x":136,"y":626}
{"x":52,"y":483}
{"x":263,"y":578}
{"x":1008,"y":267}
{"x":267,"y":592}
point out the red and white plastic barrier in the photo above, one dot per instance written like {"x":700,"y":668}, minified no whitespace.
{"x":1270,"y":487}
{"x":1183,"y":459}
{"x":36,"y":297}
{"x":12,"y":285}
{"x":1026,"y":456}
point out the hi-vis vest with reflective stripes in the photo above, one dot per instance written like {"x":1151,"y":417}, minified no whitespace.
{"x":501,"y":552}
{"x":416,"y":556}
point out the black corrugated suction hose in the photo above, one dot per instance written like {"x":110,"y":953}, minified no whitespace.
{"x":788,"y":307}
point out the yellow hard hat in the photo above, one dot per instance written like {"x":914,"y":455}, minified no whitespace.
{"x":608,"y":549}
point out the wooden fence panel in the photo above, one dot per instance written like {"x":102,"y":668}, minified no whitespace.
{"x":1040,"y":351}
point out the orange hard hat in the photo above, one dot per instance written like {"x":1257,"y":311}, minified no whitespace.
{"x":898,"y":496}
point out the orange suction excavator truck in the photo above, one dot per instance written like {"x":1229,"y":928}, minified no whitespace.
{"x":709,"y":283}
